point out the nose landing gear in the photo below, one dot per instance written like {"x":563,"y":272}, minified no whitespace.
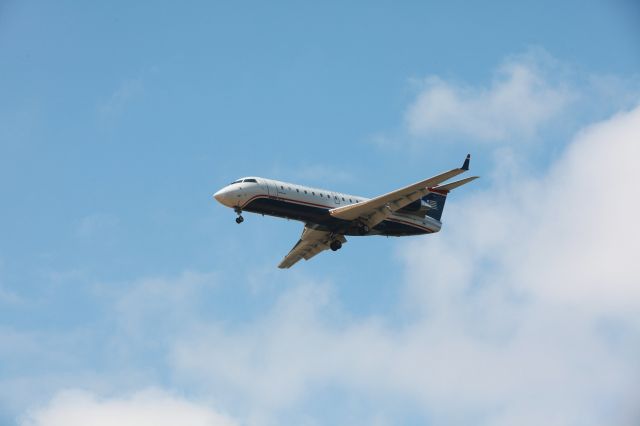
{"x":239,"y":219}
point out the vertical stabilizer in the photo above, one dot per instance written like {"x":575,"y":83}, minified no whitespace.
{"x":435,"y":202}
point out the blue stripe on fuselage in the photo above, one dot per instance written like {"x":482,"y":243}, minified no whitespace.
{"x":320,"y":215}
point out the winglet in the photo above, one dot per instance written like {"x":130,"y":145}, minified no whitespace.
{"x":465,"y":166}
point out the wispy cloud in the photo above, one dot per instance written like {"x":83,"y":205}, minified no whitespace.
{"x":524,"y":312}
{"x":159,"y":302}
{"x":115,"y":105}
{"x":520,"y":100}
{"x":97,"y":224}
{"x":544,"y":289}
{"x":152,"y":407}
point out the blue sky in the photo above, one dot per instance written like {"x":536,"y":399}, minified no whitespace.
{"x":118,"y":272}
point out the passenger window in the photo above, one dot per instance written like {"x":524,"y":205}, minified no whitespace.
{"x":313,"y":192}
{"x":342,"y":198}
{"x":297,"y":190}
{"x":350,"y":200}
{"x":281,"y":186}
{"x":305,"y":191}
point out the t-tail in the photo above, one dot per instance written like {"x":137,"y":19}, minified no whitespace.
{"x":437,"y":197}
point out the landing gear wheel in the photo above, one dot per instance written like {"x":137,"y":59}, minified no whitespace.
{"x":335,"y":245}
{"x":239,"y":219}
{"x":363,"y":230}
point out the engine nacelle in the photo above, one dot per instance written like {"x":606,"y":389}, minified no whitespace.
{"x":418,"y":208}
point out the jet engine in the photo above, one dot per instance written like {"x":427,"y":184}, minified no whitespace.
{"x":416,"y":208}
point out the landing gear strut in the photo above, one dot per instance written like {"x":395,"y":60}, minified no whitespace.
{"x":335,"y":245}
{"x":239,"y":219}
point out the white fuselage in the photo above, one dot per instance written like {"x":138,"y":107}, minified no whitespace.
{"x":312,"y":205}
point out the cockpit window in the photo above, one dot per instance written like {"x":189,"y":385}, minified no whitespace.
{"x":244,"y":180}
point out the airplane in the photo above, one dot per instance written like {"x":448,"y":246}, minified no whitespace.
{"x":329,"y":216}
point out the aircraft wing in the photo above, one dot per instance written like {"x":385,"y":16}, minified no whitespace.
{"x":375,"y":210}
{"x":312,"y":241}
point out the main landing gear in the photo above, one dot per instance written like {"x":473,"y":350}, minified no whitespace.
{"x":363,"y":229}
{"x":335,"y":245}
{"x":239,"y":219}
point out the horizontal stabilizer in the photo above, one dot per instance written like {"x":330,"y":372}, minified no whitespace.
{"x":449,"y":186}
{"x":375,"y":210}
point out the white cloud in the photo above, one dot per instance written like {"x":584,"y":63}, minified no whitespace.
{"x":148,"y":312}
{"x":525,"y":309}
{"x":520,"y":100}
{"x":149,"y":407}
{"x":540,"y":279}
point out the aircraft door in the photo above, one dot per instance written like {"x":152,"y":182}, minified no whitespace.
{"x":264,"y":187}
{"x":272,"y":189}
{"x":276,"y":190}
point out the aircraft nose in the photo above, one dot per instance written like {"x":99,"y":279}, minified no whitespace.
{"x":223,"y":196}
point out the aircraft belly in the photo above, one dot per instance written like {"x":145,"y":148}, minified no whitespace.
{"x":396,"y":229}
{"x":289,"y":210}
{"x":320,"y":216}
